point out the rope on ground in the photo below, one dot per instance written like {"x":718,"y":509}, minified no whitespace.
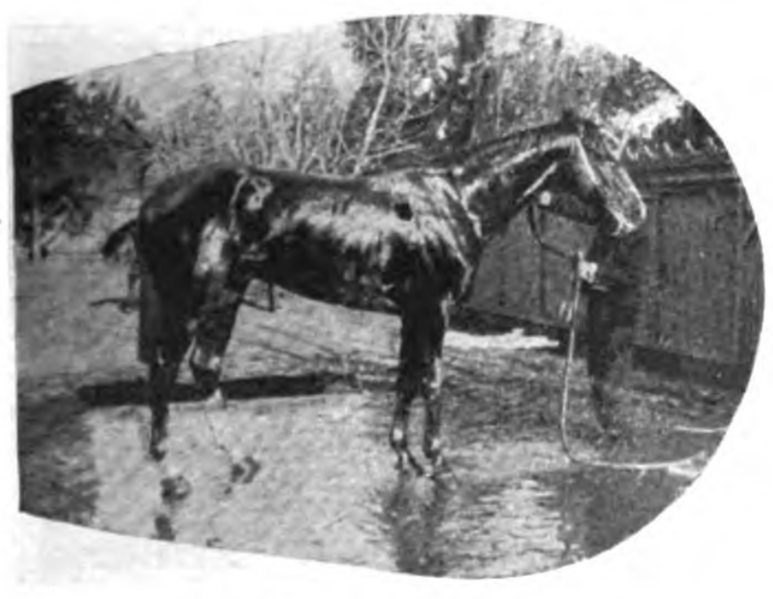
{"x":222,"y":448}
{"x":700,"y":430}
{"x":176,"y":487}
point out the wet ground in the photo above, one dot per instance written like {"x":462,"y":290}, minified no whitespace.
{"x":298,"y":464}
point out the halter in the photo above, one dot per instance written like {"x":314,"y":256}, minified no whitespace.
{"x":531,"y":214}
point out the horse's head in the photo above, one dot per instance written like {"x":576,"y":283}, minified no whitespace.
{"x":588,"y":182}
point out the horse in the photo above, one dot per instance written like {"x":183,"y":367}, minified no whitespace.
{"x":407,"y":242}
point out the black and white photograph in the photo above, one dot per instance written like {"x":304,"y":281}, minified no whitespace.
{"x":454,"y":295}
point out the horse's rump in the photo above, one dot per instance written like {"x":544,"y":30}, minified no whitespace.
{"x":163,"y":325}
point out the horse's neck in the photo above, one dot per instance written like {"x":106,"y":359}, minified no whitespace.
{"x":492,"y":183}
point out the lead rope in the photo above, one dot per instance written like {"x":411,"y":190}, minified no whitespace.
{"x":690,"y":461}
{"x":575,"y":259}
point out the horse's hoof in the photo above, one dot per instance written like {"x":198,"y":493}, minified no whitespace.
{"x":156,"y":454}
{"x":174,"y":489}
{"x":439,"y":470}
{"x":216,"y":401}
{"x":252,"y":469}
{"x":408,"y":467}
{"x":245,"y":470}
{"x":164,"y":529}
{"x":157,"y":438}
{"x":157,"y":450}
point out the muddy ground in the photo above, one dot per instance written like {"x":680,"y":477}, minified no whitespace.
{"x":298,"y":464}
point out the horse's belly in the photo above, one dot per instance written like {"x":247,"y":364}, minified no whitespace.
{"x":333,"y":279}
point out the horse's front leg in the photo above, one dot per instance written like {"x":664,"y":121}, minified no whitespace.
{"x":436,"y":321}
{"x":398,"y":437}
{"x":432,"y":409}
{"x":421,"y":344}
{"x":419,"y":379}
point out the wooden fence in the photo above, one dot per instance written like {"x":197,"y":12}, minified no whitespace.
{"x":704,"y":295}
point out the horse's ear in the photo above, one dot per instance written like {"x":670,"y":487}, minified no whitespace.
{"x":623,"y":143}
{"x":570,"y":116}
{"x":616,"y":144}
{"x":570,"y":119}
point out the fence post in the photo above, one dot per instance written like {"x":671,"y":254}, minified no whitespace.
{"x":738,"y":278}
{"x":660,"y":265}
{"x":34,"y":249}
{"x":541,"y":268}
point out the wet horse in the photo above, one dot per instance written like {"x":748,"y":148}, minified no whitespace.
{"x":406,"y":242}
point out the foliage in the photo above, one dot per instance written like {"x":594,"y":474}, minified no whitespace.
{"x":427,"y":84}
{"x":541,"y":72}
{"x":295,"y":126}
{"x":691,"y":126}
{"x":66,"y":142}
{"x":377,"y":116}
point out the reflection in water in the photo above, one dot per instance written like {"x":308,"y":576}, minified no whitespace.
{"x":322,"y":485}
{"x":487,"y":521}
{"x":517,"y":509}
{"x":600,"y":508}
{"x":326,"y":489}
{"x":414,"y":512}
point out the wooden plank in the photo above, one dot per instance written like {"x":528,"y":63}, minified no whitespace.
{"x":738,"y":286}
{"x":702,"y":299}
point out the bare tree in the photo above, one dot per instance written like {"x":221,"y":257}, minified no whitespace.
{"x":294,"y":125}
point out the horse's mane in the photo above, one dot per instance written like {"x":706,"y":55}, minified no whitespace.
{"x":299,"y":178}
{"x":522,"y":139}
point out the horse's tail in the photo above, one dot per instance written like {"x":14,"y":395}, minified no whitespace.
{"x":117,"y":238}
{"x":150,"y":323}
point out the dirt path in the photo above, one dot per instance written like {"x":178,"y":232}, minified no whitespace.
{"x":306,"y":431}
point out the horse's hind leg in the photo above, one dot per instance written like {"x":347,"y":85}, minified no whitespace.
{"x":222,"y":285}
{"x":432,"y":410}
{"x":163,"y":376}
{"x":163,"y":341}
{"x":213,"y":332}
{"x":407,"y":389}
{"x":162,"y":379}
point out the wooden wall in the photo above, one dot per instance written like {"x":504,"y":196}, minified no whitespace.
{"x":705,"y":283}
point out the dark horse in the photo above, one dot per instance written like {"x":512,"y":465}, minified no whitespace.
{"x":406,"y":242}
